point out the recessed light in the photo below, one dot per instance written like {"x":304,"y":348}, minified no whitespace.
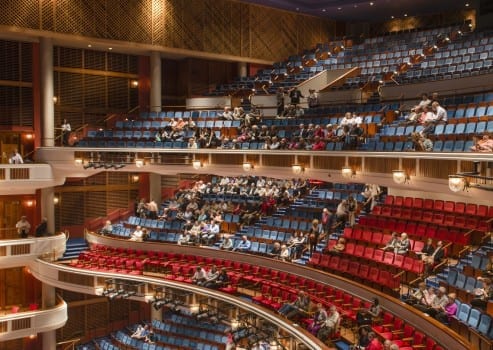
{"x":392,"y":17}
{"x":355,"y":6}
{"x":372,"y":3}
{"x":323,"y":10}
{"x":110,"y":48}
{"x":405,"y":15}
{"x":297,"y":9}
{"x":89,"y":45}
{"x":467,"y":4}
{"x":339,"y":8}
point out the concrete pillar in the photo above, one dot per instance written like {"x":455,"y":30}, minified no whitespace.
{"x":49,"y":300}
{"x":156,"y":314}
{"x":155,"y":69}
{"x":47,"y":88}
{"x":242,"y":70}
{"x":155,"y":187}
{"x":48,"y":207}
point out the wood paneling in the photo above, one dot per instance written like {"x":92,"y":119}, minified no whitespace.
{"x":435,"y":169}
{"x":277,"y":160}
{"x":380,"y":165}
{"x":217,"y":26}
{"x":332,"y":163}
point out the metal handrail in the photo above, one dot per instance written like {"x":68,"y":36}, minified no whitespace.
{"x":71,"y":343}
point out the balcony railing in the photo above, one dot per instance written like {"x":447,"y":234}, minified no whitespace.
{"x":22,"y":251}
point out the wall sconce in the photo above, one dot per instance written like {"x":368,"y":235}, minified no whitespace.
{"x":55,"y":99}
{"x":134,"y":84}
{"x":135,"y":178}
{"x":139,"y":163}
{"x":247,"y":166}
{"x":400,"y":177}
{"x":78,"y":161}
{"x":56,"y":200}
{"x":194,"y":308}
{"x":457,"y":183}
{"x":197,"y":164}
{"x":29,"y":203}
{"x":347,"y":172}
{"x":297,"y":169}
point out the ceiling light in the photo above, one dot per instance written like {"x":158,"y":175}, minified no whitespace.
{"x":247,"y":166}
{"x":297,"y":169}
{"x":467,"y":4}
{"x":392,"y":17}
{"x":139,"y":163}
{"x":347,"y":172}
{"x":89,"y":45}
{"x":400,"y":176}
{"x":323,"y":10}
{"x":196,"y":163}
{"x":405,"y":15}
{"x":457,"y":183}
{"x":372,"y":3}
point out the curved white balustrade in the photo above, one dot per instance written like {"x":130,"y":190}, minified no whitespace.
{"x":24,"y":324}
{"x":23,"y":251}
{"x":49,"y":273}
{"x":27,"y":178}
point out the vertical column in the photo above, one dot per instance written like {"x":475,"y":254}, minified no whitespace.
{"x":155,"y":82}
{"x":155,"y":187}
{"x":46,"y":86}
{"x":49,"y":300}
{"x":242,"y":69}
{"x":48,"y":207}
{"x":156,"y":314}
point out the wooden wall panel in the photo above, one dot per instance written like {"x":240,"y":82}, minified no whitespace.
{"x":217,"y":26}
{"x":277,"y":160}
{"x":332,"y":163}
{"x":429,"y":168}
{"x":379,"y":165}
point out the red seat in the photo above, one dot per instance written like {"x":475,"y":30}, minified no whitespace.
{"x":377,"y":237}
{"x":407,"y":264}
{"x":406,"y":337}
{"x":438,"y":206}
{"x":400,"y":226}
{"x":368,"y":253}
{"x":265,"y":293}
{"x":363,"y":271}
{"x":398,"y":201}
{"x":359,"y":250}
{"x":388,"y":258}
{"x":324,"y":261}
{"x":472,"y":222}
{"x":406,"y":213}
{"x":350,"y":247}
{"x":334,"y":263}
{"x":418,"y":202}
{"x":358,"y":234}
{"x":460,"y":208}
{"x":389,"y":200}
{"x":428,"y":204}
{"x":314,"y":259}
{"x":373,"y":274}
{"x":377,"y":210}
{"x":386,"y":211}
{"x":421,"y":230}
{"x":232,"y":288}
{"x":411,"y":227}
{"x":471,"y":209}
{"x":378,"y":255}
{"x":348,"y":233}
{"x":449,"y":206}
{"x":482,"y":211}
{"x":387,"y":320}
{"x":449,"y":220}
{"x":353,"y":268}
{"x":343,"y":265}
{"x":408,"y":202}
{"x":398,"y":260}
{"x":437,"y":218}
{"x":418,"y":267}
{"x":417,"y":214}
{"x":396,"y":212}
{"x":427,"y":216}
{"x":418,"y":246}
{"x":389,"y":330}
{"x":460,"y":221}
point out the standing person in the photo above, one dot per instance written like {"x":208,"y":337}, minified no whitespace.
{"x":295,"y":95}
{"x":326,"y":221}
{"x":312,"y":98}
{"x":42,"y":228}
{"x":351,"y":210}
{"x":152,"y":209}
{"x":66,"y":129}
{"x":16,"y":158}
{"x":313,"y":235}
{"x":280,"y":102}
{"x":23,"y":226}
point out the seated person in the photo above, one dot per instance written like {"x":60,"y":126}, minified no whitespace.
{"x":137,"y":235}
{"x":483,"y":145}
{"x":210,"y":276}
{"x":416,"y":296}
{"x":448,"y":311}
{"x":227,"y":243}
{"x":339,"y":246}
{"x":140,"y":332}
{"x":244,"y":245}
{"x":107,"y":228}
{"x":488,"y":270}
{"x":285,"y":253}
{"x":319,"y":318}
{"x":391,"y":244}
{"x":331,"y":324}
{"x":200,"y":276}
{"x":183,"y":238}
{"x":298,"y":308}
{"x":421,"y":143}
{"x":275,"y":252}
{"x":484,"y":294}
{"x":434,"y":258}
{"x":221,"y":280}
{"x":403,"y":245}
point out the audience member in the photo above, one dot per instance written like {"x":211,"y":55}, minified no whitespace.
{"x":392,"y":243}
{"x":137,"y":235}
{"x":66,"y":129}
{"x":244,"y":245}
{"x":295,"y":95}
{"x":339,"y":247}
{"x":219,"y":282}
{"x":448,"y":310}
{"x":23,"y":227}
{"x":483,"y":145}
{"x":227,"y":243}
{"x":403,"y":245}
{"x":318,"y":320}
{"x":483,"y":294}
{"x":297,"y":308}
{"x":107,"y":229}
{"x":200,"y":275}
{"x":16,"y":158}
{"x":42,"y":228}
{"x":374,"y":342}
{"x":331,"y":324}
{"x":312,"y":98}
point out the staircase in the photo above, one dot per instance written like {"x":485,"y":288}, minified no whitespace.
{"x":73,"y":248}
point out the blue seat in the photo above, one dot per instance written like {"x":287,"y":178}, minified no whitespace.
{"x":470,"y":128}
{"x":458,"y":146}
{"x":480,"y":127}
{"x":463,"y":312}
{"x":449,"y":129}
{"x":470,"y":112}
{"x":448,"y":146}
{"x":452,"y":277}
{"x":474,"y":318}
{"x":481,"y":111}
{"x":389,"y":146}
{"x":437,"y":147}
{"x":459,"y":113}
{"x":484,"y":324}
{"x":399,"y":146}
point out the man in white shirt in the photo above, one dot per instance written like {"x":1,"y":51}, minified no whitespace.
{"x":23,"y":226}
{"x":16,"y":158}
{"x":199,"y":276}
{"x":137,"y":235}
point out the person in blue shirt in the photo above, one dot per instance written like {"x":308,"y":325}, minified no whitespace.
{"x":244,"y":245}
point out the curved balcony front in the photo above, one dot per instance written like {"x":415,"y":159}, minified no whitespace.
{"x":23,"y":251}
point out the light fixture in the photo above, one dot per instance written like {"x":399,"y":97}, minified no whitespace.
{"x":196,"y":163}
{"x":347,"y":172}
{"x":457,"y":183}
{"x":29,"y":203}
{"x":135,"y":178}
{"x":297,"y":169}
{"x":78,"y":161}
{"x":247,"y":166}
{"x":134,"y":83}
{"x":195,"y":308}
{"x":55,"y":99}
{"x":56,"y":200}
{"x":400,"y":176}
{"x":139,"y":163}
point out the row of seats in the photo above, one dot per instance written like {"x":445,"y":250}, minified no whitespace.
{"x":439,"y":205}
